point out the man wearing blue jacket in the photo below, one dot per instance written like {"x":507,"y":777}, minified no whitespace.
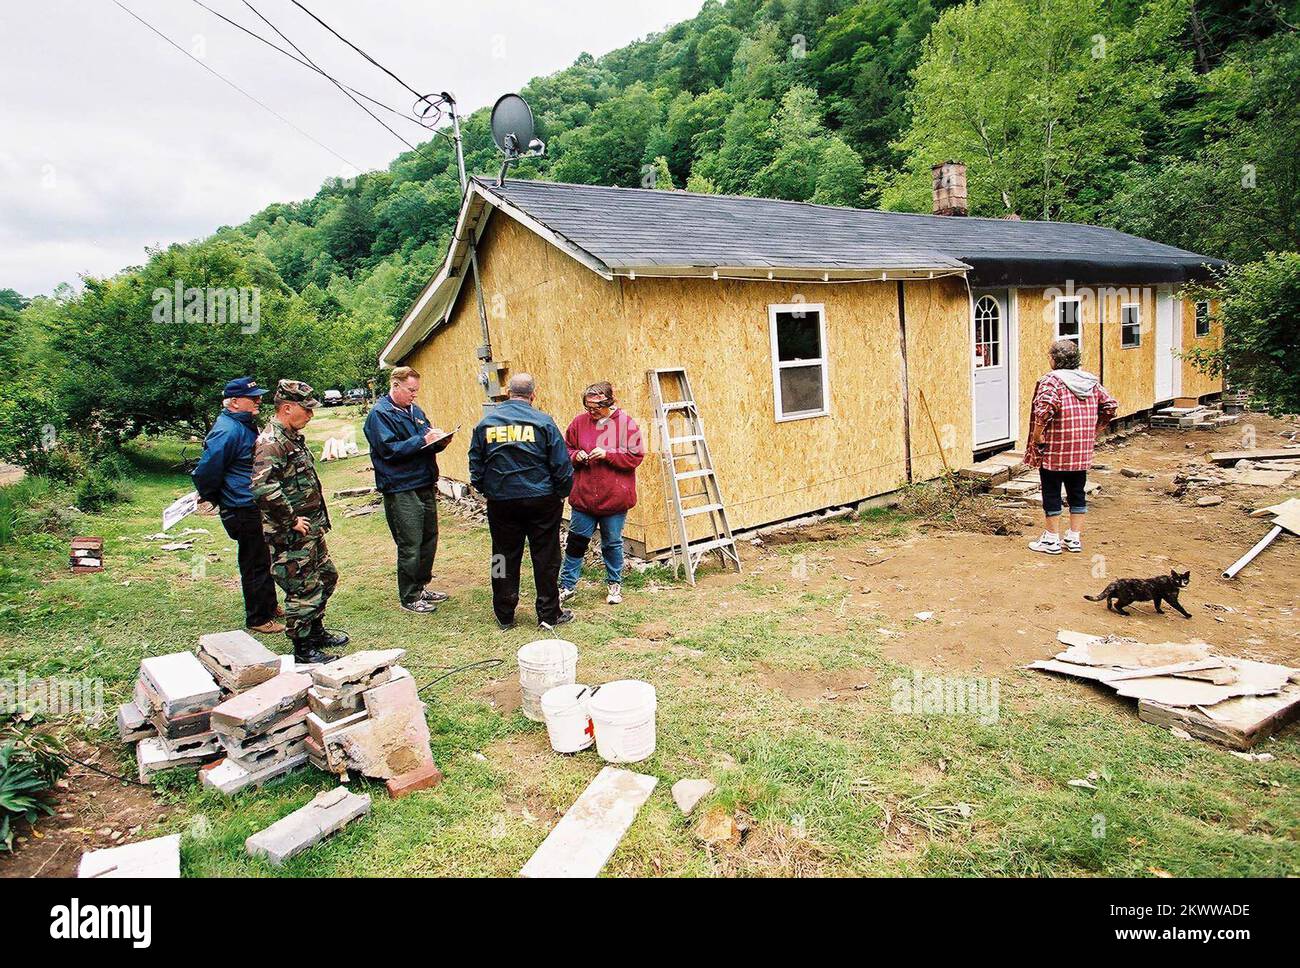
{"x":223,"y":478}
{"x":518,"y":460}
{"x":403,"y":449}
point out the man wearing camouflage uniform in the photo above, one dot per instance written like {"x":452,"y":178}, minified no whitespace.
{"x":294,"y":520}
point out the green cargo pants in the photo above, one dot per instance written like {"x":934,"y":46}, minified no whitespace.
{"x":302,"y":567}
{"x":413,"y":520}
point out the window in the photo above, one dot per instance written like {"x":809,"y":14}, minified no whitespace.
{"x":799,"y":377}
{"x":1069,"y":319}
{"x":988,"y":333}
{"x":1202,"y":319}
{"x":1130,"y":325}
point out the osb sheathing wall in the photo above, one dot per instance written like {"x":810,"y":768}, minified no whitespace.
{"x":1195,"y":382}
{"x":567,"y":326}
{"x":1129,"y":373}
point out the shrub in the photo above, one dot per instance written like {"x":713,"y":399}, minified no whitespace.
{"x":98,"y":491}
{"x":31,"y":760}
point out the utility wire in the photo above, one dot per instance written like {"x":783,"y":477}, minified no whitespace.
{"x":345,"y":91}
{"x":231,"y":83}
{"x":418,"y":94}
{"x":307,"y":64}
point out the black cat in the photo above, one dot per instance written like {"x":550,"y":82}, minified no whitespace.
{"x":1126,"y":591}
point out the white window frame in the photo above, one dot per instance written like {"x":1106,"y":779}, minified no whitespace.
{"x":1137,"y":308}
{"x":1196,"y":319}
{"x":1002,"y":332}
{"x":1056,"y":319}
{"x":778,"y":365}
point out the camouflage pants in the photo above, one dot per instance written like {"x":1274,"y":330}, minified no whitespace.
{"x":307,"y":576}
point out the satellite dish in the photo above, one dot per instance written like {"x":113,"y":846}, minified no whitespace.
{"x":512,"y":125}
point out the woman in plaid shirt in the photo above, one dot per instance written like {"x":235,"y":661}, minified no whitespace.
{"x":1070,"y":406}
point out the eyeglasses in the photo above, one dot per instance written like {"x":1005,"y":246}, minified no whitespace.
{"x":593,"y":407}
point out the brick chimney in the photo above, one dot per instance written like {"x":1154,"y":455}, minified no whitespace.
{"x":950,"y":188}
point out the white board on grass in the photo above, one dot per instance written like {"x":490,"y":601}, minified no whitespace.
{"x":180,"y":509}
{"x":583,"y":840}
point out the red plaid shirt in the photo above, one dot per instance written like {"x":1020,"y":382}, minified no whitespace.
{"x":1071,"y":425}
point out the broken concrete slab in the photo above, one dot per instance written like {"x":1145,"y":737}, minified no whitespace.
{"x":319,"y":728}
{"x":237,"y":660}
{"x":158,"y":857}
{"x":359,"y":667}
{"x":132,"y":724}
{"x":582,"y":842}
{"x":285,"y":730}
{"x":271,"y":756}
{"x":332,"y":709}
{"x":326,"y":813}
{"x":394,"y":740}
{"x":252,"y":712}
{"x":180,"y":683}
{"x":229,"y":777}
{"x":688,"y":793}
{"x":192,"y":745}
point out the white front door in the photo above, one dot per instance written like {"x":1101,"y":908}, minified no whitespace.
{"x":1164,"y":345}
{"x":992,"y":372}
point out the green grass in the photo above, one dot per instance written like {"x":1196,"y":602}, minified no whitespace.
{"x":837,"y":787}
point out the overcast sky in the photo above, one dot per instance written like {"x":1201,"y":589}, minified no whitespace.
{"x":111,"y":140}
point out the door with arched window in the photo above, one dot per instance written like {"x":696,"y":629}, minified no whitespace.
{"x":992,"y":381}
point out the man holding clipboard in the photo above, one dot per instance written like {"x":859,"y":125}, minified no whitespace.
{"x":403,"y":449}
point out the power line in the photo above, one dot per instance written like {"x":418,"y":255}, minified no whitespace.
{"x":343,"y":89}
{"x":307,"y":64}
{"x":418,"y":94}
{"x":228,"y":81}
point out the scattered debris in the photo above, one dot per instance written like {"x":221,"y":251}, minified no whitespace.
{"x":688,"y":793}
{"x":1229,"y":458}
{"x":581,"y":843}
{"x":159,"y":857}
{"x":1192,"y":416}
{"x":1209,"y":501}
{"x":924,"y":616}
{"x":1242,"y":702}
{"x":337,"y":448}
{"x":1286,"y":517}
{"x":326,"y":813}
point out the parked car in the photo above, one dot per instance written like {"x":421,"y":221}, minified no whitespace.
{"x":332,"y":398}
{"x":356,"y":395}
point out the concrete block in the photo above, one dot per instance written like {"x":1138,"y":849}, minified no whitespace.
{"x":394,"y":740}
{"x":252,"y":712}
{"x":332,"y":709}
{"x":132,"y":724}
{"x":357,"y":668}
{"x":152,"y":757}
{"x":159,"y":857}
{"x":287,"y":729}
{"x":327,"y":812}
{"x":582,"y":842}
{"x":192,"y":745}
{"x":272,"y":755}
{"x":181,"y":683}
{"x":319,"y":728}
{"x":237,"y":660}
{"x":229,"y":777}
{"x":424,"y":778}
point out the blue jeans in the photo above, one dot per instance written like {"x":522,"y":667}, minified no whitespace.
{"x":581,"y":528}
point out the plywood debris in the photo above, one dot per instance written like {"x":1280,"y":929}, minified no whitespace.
{"x":1227,"y":458}
{"x":1228,"y":700}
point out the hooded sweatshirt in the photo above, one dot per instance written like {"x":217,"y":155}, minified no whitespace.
{"x":607,"y":486}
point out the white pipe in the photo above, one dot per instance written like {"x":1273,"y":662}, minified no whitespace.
{"x":1249,"y":556}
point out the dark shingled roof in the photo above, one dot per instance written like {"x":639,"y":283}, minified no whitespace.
{"x":629,"y":228}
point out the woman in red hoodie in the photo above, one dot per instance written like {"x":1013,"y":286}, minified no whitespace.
{"x":605,"y":446}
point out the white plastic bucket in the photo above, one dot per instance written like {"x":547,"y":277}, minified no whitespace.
{"x":623,"y":714}
{"x":568,"y":724}
{"x":544,"y":665}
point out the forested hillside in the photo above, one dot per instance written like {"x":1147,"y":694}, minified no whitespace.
{"x":1170,"y":118}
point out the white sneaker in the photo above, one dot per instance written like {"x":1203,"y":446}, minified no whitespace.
{"x":567,"y":593}
{"x":615,"y":596}
{"x":1073,"y":542}
{"x":1048,"y":544}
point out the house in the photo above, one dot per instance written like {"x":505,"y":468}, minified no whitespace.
{"x":834,"y":352}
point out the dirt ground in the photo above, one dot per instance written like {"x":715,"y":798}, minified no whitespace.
{"x":91,"y":811}
{"x":997,"y":605}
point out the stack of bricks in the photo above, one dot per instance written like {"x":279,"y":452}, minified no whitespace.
{"x":261,"y":731}
{"x":366,"y":715}
{"x":174,"y":698}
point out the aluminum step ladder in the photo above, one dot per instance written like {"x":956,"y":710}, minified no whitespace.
{"x":690,"y":482}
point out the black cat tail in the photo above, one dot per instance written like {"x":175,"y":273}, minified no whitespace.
{"x":1095,"y":598}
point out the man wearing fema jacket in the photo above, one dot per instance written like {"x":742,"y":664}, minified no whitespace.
{"x":223,"y":478}
{"x":403,"y":449}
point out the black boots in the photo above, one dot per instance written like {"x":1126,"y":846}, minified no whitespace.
{"x":309,"y":650}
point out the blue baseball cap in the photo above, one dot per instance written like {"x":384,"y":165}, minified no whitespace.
{"x":245,"y":386}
